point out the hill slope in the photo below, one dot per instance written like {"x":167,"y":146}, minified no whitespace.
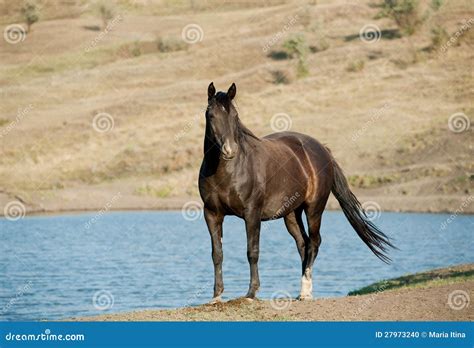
{"x":381,"y":106}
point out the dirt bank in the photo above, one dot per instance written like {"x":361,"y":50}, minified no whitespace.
{"x":89,"y":199}
{"x":441,"y":298}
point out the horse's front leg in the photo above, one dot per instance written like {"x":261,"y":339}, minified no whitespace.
{"x":214,"y":224}
{"x":252,"y":225}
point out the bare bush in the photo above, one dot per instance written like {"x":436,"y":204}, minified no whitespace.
{"x":280,"y":77}
{"x":106,"y":12}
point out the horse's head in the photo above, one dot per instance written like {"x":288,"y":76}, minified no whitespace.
{"x":222,"y":119}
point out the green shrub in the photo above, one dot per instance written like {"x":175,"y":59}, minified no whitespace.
{"x":436,"y":4}
{"x":405,"y":13}
{"x":30,"y":13}
{"x":439,"y":36}
{"x":302,"y":68}
{"x":356,"y":65}
{"x":170,"y":44}
{"x":297,"y":47}
{"x":370,"y":181}
{"x":136,"y":50}
{"x":149,"y":190}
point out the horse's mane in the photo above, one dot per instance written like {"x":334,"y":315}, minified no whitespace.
{"x":244,"y":131}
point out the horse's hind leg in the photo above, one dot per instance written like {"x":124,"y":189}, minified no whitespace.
{"x":294,"y":225}
{"x":313,"y":216}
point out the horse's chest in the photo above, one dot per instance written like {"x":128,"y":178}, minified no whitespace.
{"x":224,"y":195}
{"x":232,"y":199}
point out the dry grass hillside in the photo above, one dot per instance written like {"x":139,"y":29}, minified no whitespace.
{"x":382,"y":105}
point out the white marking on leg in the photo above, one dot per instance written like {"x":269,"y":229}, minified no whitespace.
{"x":306,"y":285}
{"x":215,"y":300}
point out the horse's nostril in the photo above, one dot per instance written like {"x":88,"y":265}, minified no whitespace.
{"x":227,"y":150}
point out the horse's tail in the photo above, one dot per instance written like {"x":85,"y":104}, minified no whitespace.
{"x":375,"y":239}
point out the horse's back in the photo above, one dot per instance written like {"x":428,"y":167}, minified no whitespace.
{"x":315,"y":159}
{"x":297,"y":141}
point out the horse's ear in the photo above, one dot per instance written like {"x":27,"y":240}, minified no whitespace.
{"x":232,"y":91}
{"x":211,"y":90}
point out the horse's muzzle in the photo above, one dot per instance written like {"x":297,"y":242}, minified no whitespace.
{"x":228,"y":152}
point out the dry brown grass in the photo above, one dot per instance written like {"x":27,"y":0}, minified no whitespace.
{"x":156,"y":98}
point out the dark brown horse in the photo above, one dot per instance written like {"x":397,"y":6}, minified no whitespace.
{"x":281,"y":175}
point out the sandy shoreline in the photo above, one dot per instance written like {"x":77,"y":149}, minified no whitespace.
{"x":441,"y":294}
{"x":425,"y":303}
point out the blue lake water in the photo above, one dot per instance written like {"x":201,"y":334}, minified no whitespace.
{"x":54,"y":267}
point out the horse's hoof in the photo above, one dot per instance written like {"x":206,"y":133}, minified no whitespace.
{"x":305,"y":297}
{"x":215,"y":300}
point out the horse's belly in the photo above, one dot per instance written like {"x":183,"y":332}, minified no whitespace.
{"x":285,"y":189}
{"x":281,"y":205}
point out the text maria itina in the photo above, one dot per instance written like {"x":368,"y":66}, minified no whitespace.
{"x":444,"y":334}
